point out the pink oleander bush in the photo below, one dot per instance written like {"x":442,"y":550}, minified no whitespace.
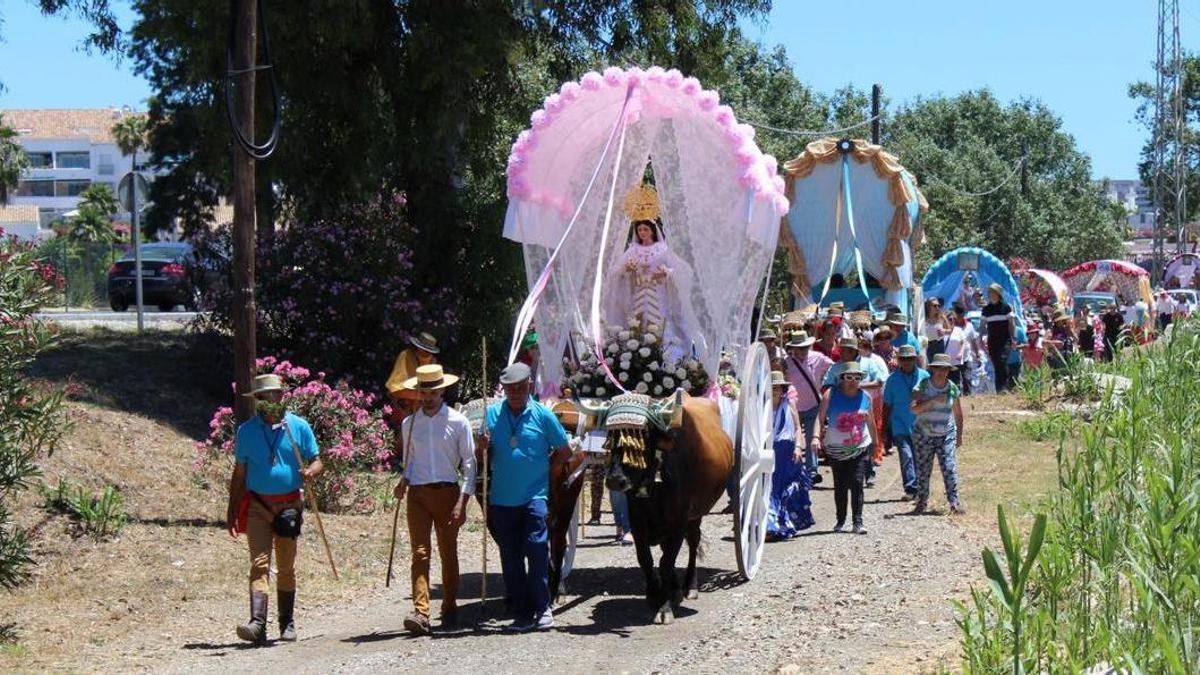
{"x":351,"y":430}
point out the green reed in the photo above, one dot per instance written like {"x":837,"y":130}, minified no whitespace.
{"x":1117,"y":580}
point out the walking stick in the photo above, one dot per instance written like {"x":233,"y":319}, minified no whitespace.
{"x":312,"y":503}
{"x":483,"y":579}
{"x":392,"y":551}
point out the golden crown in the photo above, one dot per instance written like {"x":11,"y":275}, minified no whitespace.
{"x":642,"y":203}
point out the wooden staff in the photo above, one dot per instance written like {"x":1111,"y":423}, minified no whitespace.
{"x":312,"y":503}
{"x":484,"y":468}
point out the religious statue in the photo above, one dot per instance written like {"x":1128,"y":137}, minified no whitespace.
{"x":649,"y":282}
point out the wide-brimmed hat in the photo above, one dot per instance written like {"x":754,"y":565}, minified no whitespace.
{"x":941,"y":361}
{"x":996,"y":287}
{"x":897,"y":319}
{"x":778,"y":380}
{"x":263,"y":384}
{"x":767,"y":334}
{"x":800,"y":339}
{"x":516,"y":373}
{"x":906,"y":352}
{"x":430,"y":378}
{"x":425,"y":342}
{"x":851,"y":368}
{"x":848,"y":343}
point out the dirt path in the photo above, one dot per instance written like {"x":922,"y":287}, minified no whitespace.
{"x":824,"y":602}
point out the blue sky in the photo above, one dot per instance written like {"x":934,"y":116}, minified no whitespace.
{"x":1077,"y":56}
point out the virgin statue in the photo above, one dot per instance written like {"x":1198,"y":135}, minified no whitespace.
{"x":649,"y":281}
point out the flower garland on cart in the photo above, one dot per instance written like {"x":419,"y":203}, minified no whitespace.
{"x":635,"y":356}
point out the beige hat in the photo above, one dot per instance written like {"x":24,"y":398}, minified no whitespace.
{"x":800,"y":339}
{"x":430,"y":377}
{"x":264,"y":383}
{"x":778,"y":380}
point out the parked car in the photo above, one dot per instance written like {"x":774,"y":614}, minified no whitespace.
{"x":1093,"y":300}
{"x":1188,"y":294}
{"x":169,"y":278}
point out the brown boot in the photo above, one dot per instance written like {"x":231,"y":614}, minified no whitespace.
{"x":287,"y":627}
{"x":255,"y":630}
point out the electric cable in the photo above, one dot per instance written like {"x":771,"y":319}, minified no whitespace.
{"x":259,"y":151}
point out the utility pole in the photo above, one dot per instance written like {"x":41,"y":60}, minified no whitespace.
{"x":876,"y":104}
{"x":136,"y":225}
{"x":245,"y":40}
{"x":1169,"y":168}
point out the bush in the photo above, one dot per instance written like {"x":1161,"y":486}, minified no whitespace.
{"x":337,"y":294}
{"x":355,"y":441}
{"x":98,"y":516}
{"x":31,"y":417}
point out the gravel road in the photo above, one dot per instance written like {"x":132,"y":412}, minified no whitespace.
{"x":822,"y":602}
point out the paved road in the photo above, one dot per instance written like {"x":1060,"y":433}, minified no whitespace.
{"x":82,"y":320}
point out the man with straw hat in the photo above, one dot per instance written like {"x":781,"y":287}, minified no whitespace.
{"x":265,"y":501}
{"x":438,"y":447}
{"x":903,"y":336}
{"x":523,"y":437}
{"x":806,"y":370}
{"x":898,"y":417}
{"x":423,"y":351}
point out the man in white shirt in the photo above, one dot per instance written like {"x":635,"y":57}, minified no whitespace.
{"x":437,"y":445}
{"x":1164,"y":309}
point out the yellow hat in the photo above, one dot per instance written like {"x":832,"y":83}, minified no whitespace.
{"x":642,"y":203}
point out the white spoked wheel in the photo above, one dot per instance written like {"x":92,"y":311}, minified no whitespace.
{"x":754,"y":461}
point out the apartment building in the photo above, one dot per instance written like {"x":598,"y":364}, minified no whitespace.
{"x":69,"y":150}
{"x":1137,"y":202}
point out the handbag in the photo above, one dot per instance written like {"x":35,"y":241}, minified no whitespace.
{"x":288,"y":522}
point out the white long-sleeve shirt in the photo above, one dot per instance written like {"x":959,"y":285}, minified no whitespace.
{"x":437,"y":447}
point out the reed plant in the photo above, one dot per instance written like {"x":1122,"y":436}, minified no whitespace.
{"x":1117,"y":581}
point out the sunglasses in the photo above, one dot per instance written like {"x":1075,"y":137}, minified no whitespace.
{"x":852,"y":378}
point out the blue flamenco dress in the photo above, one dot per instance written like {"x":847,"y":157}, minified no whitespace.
{"x":790,"y":510}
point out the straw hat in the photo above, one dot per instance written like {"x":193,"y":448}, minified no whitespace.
{"x":767,"y":334}
{"x":1060,"y":315}
{"x":430,"y":378}
{"x":778,"y":380}
{"x":848,"y":343}
{"x":906,"y":352}
{"x":941,"y":361}
{"x":850,"y":368}
{"x":263,"y":384}
{"x":897,"y":319}
{"x":800,"y":339}
{"x":425,"y":342}
{"x":996,"y":287}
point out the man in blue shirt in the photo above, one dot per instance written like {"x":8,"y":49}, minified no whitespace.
{"x":904,"y":336}
{"x":267,"y":477}
{"x":523,"y":435}
{"x":897,"y":413}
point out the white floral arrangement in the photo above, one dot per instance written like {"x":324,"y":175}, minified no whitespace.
{"x":635,"y":357}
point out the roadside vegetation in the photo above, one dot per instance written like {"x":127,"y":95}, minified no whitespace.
{"x":1114,"y":583}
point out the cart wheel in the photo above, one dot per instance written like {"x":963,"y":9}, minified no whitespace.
{"x":754,"y":461}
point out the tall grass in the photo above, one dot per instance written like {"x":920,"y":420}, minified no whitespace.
{"x":1117,"y":581}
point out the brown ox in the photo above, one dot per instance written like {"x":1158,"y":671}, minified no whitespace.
{"x":695,"y":460}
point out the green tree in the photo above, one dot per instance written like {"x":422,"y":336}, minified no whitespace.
{"x":131,"y":134}
{"x":93,"y":223}
{"x":960,"y":146}
{"x":13,"y":161}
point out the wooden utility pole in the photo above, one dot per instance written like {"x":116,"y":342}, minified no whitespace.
{"x":876,"y":104}
{"x":245,"y":40}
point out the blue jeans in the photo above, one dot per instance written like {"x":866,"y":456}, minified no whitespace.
{"x":908,"y":470}
{"x":520,"y":532}
{"x":620,"y":507}
{"x":808,"y":419}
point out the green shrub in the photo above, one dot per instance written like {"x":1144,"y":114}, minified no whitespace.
{"x":98,"y":516}
{"x":31,"y":417}
{"x":1117,"y":579}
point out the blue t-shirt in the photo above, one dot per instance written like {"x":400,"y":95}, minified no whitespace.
{"x":271,"y":467}
{"x":907,"y":339}
{"x":897,"y":394}
{"x":522,"y":474}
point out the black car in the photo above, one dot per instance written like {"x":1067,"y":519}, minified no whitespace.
{"x":169,"y":274}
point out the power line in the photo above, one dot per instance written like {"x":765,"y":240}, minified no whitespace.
{"x":1012,"y":174}
{"x":813,"y":132}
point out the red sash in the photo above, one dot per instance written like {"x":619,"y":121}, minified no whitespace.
{"x":243,"y":515}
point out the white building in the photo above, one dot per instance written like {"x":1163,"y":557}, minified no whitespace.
{"x":1137,"y":202}
{"x":69,"y":150}
{"x":22,"y":222}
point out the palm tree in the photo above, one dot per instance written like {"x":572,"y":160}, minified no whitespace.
{"x":13,"y":160}
{"x":130,"y":134}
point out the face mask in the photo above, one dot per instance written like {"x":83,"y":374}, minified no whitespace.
{"x":271,"y":411}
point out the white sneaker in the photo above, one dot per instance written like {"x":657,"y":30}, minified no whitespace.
{"x":545,"y":621}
